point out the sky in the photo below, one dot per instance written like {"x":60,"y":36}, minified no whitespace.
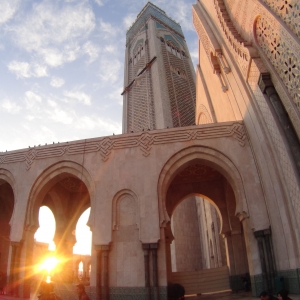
{"x":61,"y":66}
{"x":46,"y":231}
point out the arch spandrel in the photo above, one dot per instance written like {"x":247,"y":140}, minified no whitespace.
{"x":242,"y":182}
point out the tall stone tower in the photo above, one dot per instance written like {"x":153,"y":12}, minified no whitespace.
{"x":159,"y":76}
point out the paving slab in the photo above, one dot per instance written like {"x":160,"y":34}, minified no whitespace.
{"x":220,"y":296}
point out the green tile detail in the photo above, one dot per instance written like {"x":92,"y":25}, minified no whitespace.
{"x":291,"y":279}
{"x":291,"y":282}
{"x":170,"y":38}
{"x":158,"y":25}
{"x":156,"y":13}
{"x":257,"y":284}
{"x":136,"y":293}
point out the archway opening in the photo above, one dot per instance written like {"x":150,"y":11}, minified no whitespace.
{"x":68,"y":198}
{"x":201,"y":204}
{"x":6,"y":211}
{"x":46,"y":231}
{"x":83,"y":235}
{"x":198,"y":244}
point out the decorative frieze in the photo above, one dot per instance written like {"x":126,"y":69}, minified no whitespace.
{"x":144,"y":141}
{"x":242,"y":50}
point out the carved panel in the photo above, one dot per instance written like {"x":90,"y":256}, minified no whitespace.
{"x":126,"y":211}
{"x":282,"y":53}
{"x":288,"y":11}
{"x":196,"y":173}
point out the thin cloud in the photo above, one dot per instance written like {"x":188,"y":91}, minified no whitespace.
{"x":107,"y":29}
{"x":10,"y":107}
{"x":8,"y":9}
{"x":53,"y":33}
{"x":26,"y":70}
{"x":99,"y":2}
{"x":57,"y":82}
{"x":79,"y":96}
{"x":92,"y":50}
{"x":61,"y":116}
{"x":128,"y":20}
{"x":110,"y":69}
{"x":32,"y":99}
{"x":106,"y":125}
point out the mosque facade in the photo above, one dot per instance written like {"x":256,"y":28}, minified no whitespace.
{"x":202,"y":187}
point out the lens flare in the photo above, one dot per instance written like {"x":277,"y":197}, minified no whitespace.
{"x":49,"y":264}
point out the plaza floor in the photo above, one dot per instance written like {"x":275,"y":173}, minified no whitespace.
{"x":219,"y":296}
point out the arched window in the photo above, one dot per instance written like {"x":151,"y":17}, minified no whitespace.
{"x":138,"y":53}
{"x":173,"y":49}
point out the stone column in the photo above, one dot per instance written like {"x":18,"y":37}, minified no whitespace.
{"x":65,"y":242}
{"x":146,"y":248}
{"x":267,"y":260}
{"x":105,"y":271}
{"x":266,"y":85}
{"x":154,"y":247}
{"x":13,"y":281}
{"x":98,"y":272}
{"x":102,"y":284}
{"x":26,"y":263}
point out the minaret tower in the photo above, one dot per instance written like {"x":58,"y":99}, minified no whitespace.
{"x":159,"y":80}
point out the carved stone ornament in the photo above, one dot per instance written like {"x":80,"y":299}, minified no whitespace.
{"x":144,"y":141}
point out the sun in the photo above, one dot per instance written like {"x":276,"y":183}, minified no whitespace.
{"x":49,"y":264}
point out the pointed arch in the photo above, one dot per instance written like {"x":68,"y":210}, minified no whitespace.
{"x":49,"y":178}
{"x":117,"y":198}
{"x":210,"y":157}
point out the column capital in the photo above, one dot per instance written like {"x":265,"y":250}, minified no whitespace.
{"x":262,"y":233}
{"x":102,"y":247}
{"x":16,"y":244}
{"x":150,"y":246}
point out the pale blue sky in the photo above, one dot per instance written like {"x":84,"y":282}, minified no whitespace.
{"x":61,"y":66}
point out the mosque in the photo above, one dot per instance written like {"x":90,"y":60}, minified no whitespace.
{"x":202,"y":186}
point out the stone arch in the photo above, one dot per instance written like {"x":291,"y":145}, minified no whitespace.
{"x":7,"y":207}
{"x":208,"y":200}
{"x":116,"y":201}
{"x":210,"y":157}
{"x":9,"y":178}
{"x":6,"y":176}
{"x":222,"y":182}
{"x":203,"y":115}
{"x":48,"y":179}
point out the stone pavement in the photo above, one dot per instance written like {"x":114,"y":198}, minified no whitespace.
{"x":219,"y":296}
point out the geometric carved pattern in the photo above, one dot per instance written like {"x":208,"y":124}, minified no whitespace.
{"x":144,"y":141}
{"x":196,"y":173}
{"x":281,"y":54}
{"x":181,"y":89}
{"x":73,"y":185}
{"x":288,"y":11}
